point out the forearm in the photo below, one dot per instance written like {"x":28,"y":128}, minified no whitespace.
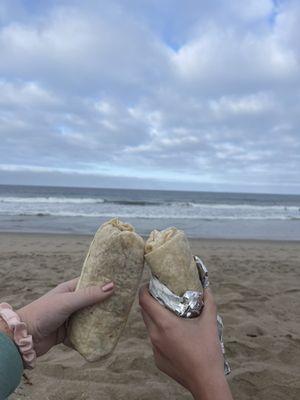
{"x":212,"y":388}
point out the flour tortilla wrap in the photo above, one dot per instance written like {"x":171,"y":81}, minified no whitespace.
{"x":170,"y":259}
{"x":116,"y":253}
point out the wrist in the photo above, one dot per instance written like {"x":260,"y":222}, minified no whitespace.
{"x":23,"y":318}
{"x":213,"y":386}
{"x":18,"y":329}
{"x":22,"y":315}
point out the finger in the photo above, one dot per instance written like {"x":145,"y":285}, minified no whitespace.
{"x":157,"y":353}
{"x":70,"y":285}
{"x":156,"y":311}
{"x":209,"y":301}
{"x":64,"y":287}
{"x":209,"y":309}
{"x":88,"y":296}
{"x":147,"y":320}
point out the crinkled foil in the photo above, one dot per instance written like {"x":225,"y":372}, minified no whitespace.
{"x":187,"y":306}
{"x":220,"y":326}
{"x":190,"y":304}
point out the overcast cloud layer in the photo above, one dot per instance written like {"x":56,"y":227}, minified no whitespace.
{"x":151,"y":94}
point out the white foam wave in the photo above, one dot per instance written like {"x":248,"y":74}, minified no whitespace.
{"x":144,"y":216}
{"x":97,"y":207}
{"x":85,"y":200}
{"x":254,"y":207}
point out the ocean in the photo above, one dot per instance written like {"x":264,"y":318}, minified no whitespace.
{"x":200,"y":214}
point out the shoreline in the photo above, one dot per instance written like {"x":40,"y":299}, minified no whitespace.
{"x":192,"y":239}
{"x":282,"y":230}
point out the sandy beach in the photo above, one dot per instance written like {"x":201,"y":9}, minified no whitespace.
{"x":256,"y":284}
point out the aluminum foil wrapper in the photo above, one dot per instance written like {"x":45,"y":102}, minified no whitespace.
{"x":190,"y":304}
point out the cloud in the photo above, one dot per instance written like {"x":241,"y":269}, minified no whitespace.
{"x":205,"y":94}
{"x":254,"y":104}
{"x":26,"y":94}
{"x":72,"y":49}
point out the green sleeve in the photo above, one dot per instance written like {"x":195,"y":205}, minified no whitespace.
{"x":11,"y":366}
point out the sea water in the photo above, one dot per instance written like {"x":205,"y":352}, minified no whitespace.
{"x":200,"y":214}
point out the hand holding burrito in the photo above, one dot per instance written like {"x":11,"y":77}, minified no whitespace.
{"x":178,"y":278}
{"x":188,"y":350}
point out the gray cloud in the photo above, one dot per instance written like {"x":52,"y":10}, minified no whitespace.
{"x":202,"y":96}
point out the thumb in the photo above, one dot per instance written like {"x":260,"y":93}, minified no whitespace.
{"x":210,"y":307}
{"x":89,"y":296}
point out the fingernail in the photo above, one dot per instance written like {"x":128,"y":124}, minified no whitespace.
{"x":107,"y":287}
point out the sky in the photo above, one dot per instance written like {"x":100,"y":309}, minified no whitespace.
{"x":151,"y":94}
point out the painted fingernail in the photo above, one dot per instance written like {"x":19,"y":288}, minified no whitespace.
{"x":107,"y":287}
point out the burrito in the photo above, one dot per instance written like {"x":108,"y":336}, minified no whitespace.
{"x":170,"y":259}
{"x":116,"y":253}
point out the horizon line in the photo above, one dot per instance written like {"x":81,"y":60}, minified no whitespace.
{"x":150,"y":190}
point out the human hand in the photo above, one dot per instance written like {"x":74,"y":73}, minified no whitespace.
{"x":46,"y":318}
{"x":188,"y":350}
